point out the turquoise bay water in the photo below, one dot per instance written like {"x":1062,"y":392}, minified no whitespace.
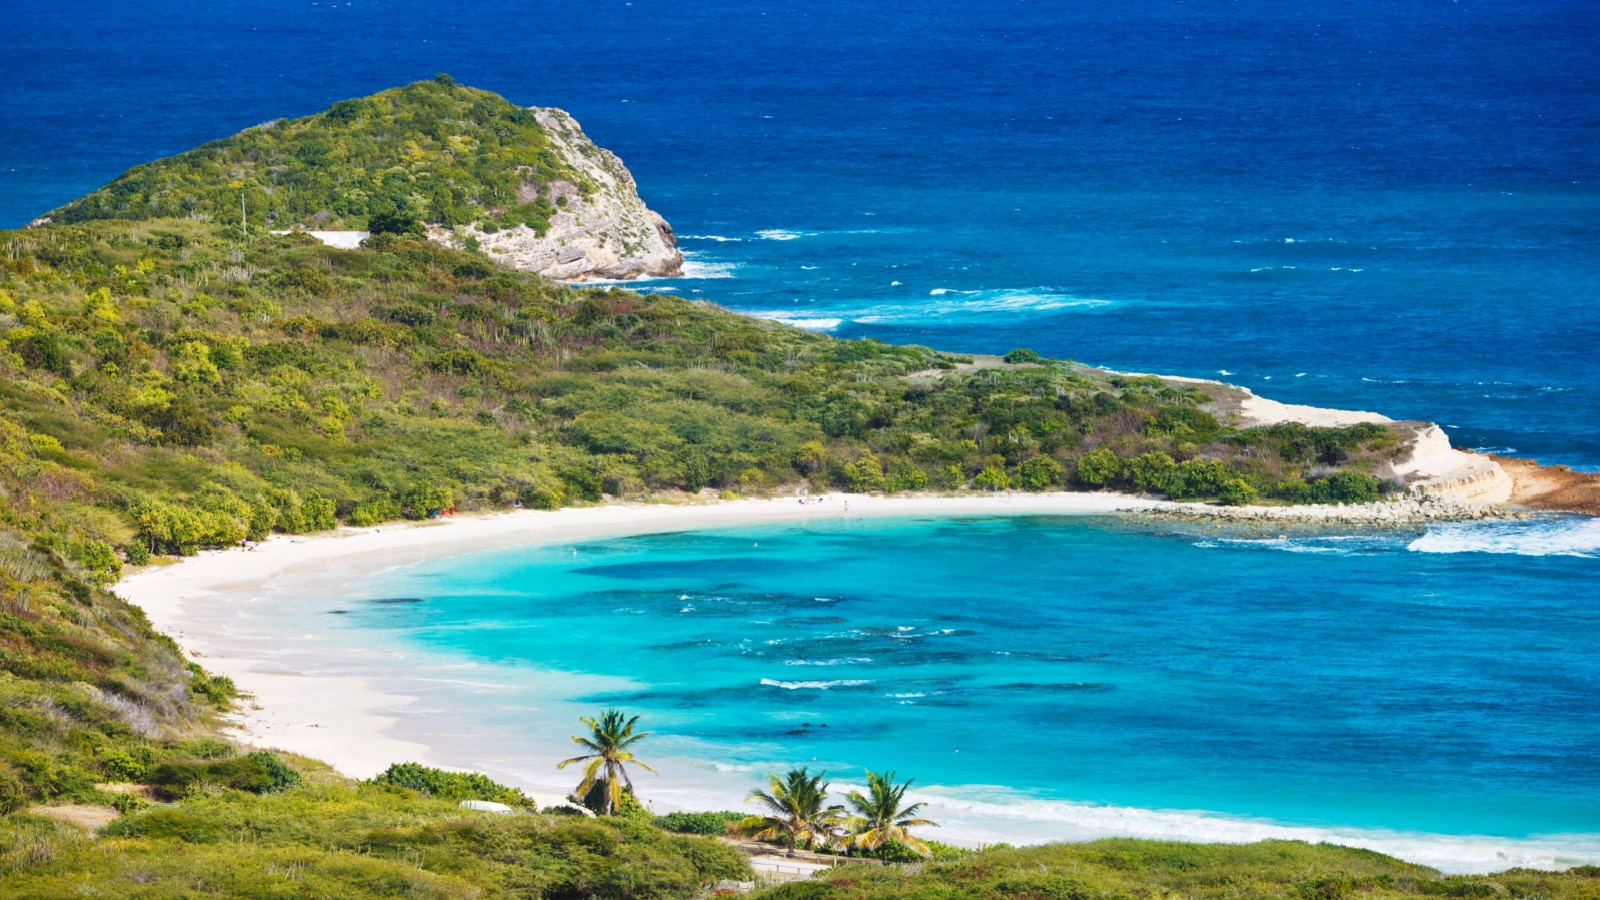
{"x":1435,"y":683}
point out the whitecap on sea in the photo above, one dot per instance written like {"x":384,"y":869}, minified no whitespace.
{"x":814,"y":685}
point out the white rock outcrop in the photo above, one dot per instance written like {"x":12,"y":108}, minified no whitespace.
{"x":1437,"y":469}
{"x":607,"y":234}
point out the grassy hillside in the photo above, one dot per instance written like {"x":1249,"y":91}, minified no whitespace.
{"x":432,"y":151}
{"x":352,"y":843}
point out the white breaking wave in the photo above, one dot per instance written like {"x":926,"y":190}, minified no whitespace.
{"x":782,"y":234}
{"x":813,"y":685}
{"x":953,"y":304}
{"x":1339,"y":544}
{"x":818,"y":324}
{"x":828,"y":662}
{"x":700,"y":268}
{"x":709,"y":237}
{"x":1573,"y":536}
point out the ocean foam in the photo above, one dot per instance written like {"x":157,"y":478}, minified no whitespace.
{"x":1339,"y":544}
{"x":809,"y":324}
{"x":709,"y":237}
{"x":1566,"y":536}
{"x":814,"y":685}
{"x":782,"y":234}
{"x":699,"y":268}
{"x":951,"y":304}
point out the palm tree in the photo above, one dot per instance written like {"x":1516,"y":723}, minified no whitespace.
{"x":610,"y":737}
{"x":881,"y":818}
{"x":794,"y":810}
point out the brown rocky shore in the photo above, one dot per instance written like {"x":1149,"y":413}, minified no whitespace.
{"x":1534,"y":489}
{"x":1551,"y":488}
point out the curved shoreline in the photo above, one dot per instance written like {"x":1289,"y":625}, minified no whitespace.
{"x":349,"y":722}
{"x":357,"y":739}
{"x":357,"y":723}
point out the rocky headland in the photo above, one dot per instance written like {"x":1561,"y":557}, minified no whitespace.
{"x":601,"y":228}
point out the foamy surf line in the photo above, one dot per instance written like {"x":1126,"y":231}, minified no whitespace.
{"x":947,"y":304}
{"x":1573,"y":536}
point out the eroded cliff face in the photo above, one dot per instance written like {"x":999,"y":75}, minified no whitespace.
{"x":606,"y":233}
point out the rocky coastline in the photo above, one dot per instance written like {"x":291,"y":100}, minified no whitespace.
{"x":1416,"y":509}
{"x":601,"y":229}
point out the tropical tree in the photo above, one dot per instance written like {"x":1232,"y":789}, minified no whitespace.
{"x":795,"y":810}
{"x":882,"y":816}
{"x":609,"y":738}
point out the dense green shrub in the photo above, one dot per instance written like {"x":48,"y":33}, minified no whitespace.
{"x":1099,"y":468}
{"x":259,"y":773}
{"x":1038,"y":473}
{"x":1149,"y":472}
{"x":903,"y":475}
{"x":992,"y":478}
{"x":710,"y":824}
{"x":431,"y":782}
{"x":1340,"y":487}
{"x":373,"y":511}
{"x":1237,"y":492}
{"x":424,"y":499}
{"x":865,"y":474}
{"x":280,"y":776}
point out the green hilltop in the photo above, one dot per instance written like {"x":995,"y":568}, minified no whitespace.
{"x":432,"y":151}
{"x":170,"y":382}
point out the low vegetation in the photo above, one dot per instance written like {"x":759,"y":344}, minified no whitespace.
{"x":352,"y":843}
{"x":1147,"y":869}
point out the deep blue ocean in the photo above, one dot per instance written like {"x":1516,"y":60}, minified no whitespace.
{"x":1393,"y":207}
